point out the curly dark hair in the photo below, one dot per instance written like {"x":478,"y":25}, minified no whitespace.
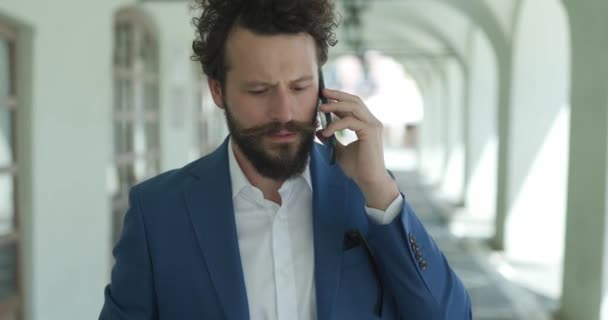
{"x":267,"y":17}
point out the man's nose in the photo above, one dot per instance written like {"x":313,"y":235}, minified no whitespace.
{"x":282,"y":105}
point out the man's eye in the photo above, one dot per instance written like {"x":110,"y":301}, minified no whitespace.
{"x":257,"y":92}
{"x":299,"y":88}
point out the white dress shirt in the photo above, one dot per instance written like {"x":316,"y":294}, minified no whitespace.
{"x":276,"y":245}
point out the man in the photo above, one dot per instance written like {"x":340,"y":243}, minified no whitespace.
{"x":265,"y":227}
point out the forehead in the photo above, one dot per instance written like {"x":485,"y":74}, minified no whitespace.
{"x":270,"y":56}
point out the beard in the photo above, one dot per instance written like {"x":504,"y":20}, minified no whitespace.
{"x":277,"y":161}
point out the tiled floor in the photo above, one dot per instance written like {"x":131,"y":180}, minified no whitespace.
{"x":493,"y":297}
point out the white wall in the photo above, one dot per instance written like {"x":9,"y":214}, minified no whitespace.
{"x":538,"y":153}
{"x":67,"y":259}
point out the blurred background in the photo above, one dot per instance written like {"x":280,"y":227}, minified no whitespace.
{"x":495,"y":113}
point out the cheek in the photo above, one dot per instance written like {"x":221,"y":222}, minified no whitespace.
{"x":307,"y":105}
{"x":245,"y":109}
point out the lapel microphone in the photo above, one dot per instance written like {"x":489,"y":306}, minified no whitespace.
{"x":354,"y":238}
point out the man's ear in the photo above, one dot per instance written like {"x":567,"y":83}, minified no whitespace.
{"x":216,"y":92}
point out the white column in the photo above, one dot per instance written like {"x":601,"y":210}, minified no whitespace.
{"x":453,"y":111}
{"x":432,"y":131}
{"x":538,"y":145}
{"x":482,"y":139}
{"x":584,"y":280}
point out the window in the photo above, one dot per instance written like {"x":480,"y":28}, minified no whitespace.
{"x":136,"y":108}
{"x":10,"y":284}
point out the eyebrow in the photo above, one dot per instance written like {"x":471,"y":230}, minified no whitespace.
{"x":254,"y":83}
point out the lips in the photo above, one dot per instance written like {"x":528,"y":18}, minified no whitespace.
{"x":283,"y":133}
{"x":282,"y":136}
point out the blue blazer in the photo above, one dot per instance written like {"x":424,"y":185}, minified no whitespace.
{"x":178,"y":255}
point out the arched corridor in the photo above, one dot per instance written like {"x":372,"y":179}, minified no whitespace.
{"x":495,"y":125}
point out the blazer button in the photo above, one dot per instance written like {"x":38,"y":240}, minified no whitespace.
{"x":415,"y":247}
{"x":419,"y":257}
{"x":423,"y":265}
{"x":412,"y":240}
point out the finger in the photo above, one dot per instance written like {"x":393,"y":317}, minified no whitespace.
{"x":353,"y":103}
{"x":345,"y":109}
{"x":340,"y":114}
{"x":344,"y":123}
{"x":339,"y":145}
{"x":321,"y":137}
{"x":339,"y":149}
{"x":340,"y":95}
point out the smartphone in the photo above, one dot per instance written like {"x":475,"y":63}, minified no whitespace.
{"x":326,"y":120}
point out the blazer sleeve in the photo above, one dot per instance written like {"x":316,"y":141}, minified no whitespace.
{"x":415,"y":271}
{"x":130,"y":294}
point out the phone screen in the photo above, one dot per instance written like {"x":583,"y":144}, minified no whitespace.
{"x":326,"y":120}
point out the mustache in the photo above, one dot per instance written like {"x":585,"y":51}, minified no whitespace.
{"x":276,"y":127}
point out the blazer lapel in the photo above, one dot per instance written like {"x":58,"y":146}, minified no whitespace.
{"x":209,"y":200}
{"x":329,"y":216}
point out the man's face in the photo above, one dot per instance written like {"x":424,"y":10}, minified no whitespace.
{"x":270,"y":98}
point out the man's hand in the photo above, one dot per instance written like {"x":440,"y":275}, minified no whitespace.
{"x":362,"y":160}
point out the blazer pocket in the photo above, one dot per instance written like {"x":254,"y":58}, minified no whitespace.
{"x":353,"y":257}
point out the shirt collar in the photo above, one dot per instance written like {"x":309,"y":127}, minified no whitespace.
{"x":239,"y":181}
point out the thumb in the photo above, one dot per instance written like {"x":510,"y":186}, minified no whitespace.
{"x":321,"y":137}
